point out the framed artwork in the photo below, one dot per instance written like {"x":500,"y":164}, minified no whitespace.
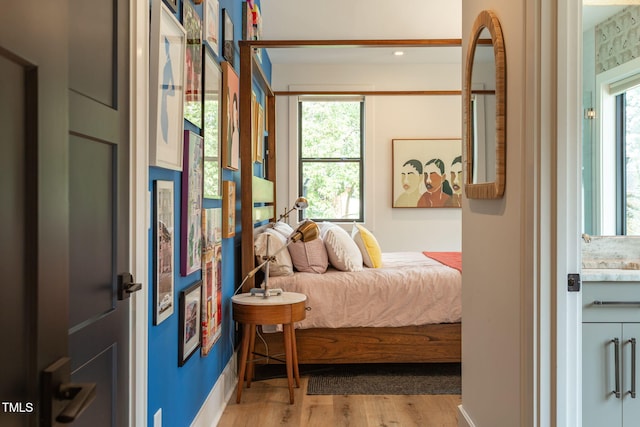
{"x":173,"y":5}
{"x":191,"y":221}
{"x":228,"y":209}
{"x":163,"y":281}
{"x":247,"y":20}
{"x":212,"y":109}
{"x":166,"y":92}
{"x":211,"y":275}
{"x":211,"y":25}
{"x":427,"y":173}
{"x":230,"y":123}
{"x":228,"y":46}
{"x":193,"y":87}
{"x":190,"y":304}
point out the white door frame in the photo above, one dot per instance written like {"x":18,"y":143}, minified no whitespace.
{"x":139,"y":208}
{"x":567,"y":306}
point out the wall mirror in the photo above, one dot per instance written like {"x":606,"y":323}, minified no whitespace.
{"x":485,"y":109}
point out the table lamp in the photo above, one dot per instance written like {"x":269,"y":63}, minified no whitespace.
{"x":305,"y":232}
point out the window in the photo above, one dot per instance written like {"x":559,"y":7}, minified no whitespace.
{"x":628,"y":162}
{"x":330,"y":163}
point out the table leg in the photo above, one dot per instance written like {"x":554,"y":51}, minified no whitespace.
{"x":294,"y":350}
{"x":243,"y":359}
{"x":289,"y":358}
{"x":251,"y":364}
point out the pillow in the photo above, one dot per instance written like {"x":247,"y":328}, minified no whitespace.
{"x":282,"y":266}
{"x":368,"y":245}
{"x":309,"y":257}
{"x":342,"y":251}
{"x":283,"y":228}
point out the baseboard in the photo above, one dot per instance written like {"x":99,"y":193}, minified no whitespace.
{"x":212,"y":409}
{"x":464,"y":420}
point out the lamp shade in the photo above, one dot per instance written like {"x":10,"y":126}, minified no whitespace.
{"x":301,"y":203}
{"x":306,"y":231}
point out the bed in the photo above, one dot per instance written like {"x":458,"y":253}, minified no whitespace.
{"x":413,"y":334}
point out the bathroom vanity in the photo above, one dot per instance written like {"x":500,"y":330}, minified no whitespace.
{"x":610,"y":332}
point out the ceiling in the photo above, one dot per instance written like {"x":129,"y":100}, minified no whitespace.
{"x":375,"y":19}
{"x":362,"y":19}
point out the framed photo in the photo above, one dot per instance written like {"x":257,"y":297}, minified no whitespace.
{"x":230,"y":123}
{"x":193,"y":86}
{"x":427,"y":173}
{"x":228,"y":46}
{"x":190,"y":304}
{"x":166,"y":92}
{"x":211,"y":276}
{"x":228,"y":209}
{"x":191,"y":220}
{"x":211,"y":25}
{"x":163,"y":234}
{"x":212,"y":109}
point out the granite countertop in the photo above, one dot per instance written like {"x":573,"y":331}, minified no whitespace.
{"x":609,"y":275}
{"x":611,"y":258}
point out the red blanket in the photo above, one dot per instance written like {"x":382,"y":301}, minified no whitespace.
{"x":450,"y":259}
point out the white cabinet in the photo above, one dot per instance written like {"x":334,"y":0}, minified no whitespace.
{"x":610,"y":335}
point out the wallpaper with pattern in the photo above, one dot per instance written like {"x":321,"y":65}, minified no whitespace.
{"x":618,"y":39}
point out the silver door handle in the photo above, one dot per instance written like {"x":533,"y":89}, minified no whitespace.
{"x":632,"y":392}
{"x":616,"y":355}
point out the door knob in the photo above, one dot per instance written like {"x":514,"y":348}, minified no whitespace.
{"x":126,"y":286}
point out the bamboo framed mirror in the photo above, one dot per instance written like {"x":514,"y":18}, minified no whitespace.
{"x":485,"y":110}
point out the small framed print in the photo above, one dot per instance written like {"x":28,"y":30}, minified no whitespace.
{"x":228,"y":209}
{"x":228,"y":47}
{"x":191,"y":213}
{"x":163,"y":231}
{"x":190,"y":318}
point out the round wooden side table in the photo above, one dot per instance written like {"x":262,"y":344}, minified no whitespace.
{"x":251,"y":311}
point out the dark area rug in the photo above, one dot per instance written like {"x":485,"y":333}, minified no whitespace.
{"x":375,"y":379}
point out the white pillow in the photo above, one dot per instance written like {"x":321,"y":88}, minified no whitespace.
{"x":343,"y":252}
{"x":283,"y":228}
{"x":282,"y":266}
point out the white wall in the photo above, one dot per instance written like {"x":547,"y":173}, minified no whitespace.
{"x":389,"y":117}
{"x":494,"y":243}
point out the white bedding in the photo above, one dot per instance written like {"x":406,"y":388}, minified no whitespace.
{"x":409,"y":289}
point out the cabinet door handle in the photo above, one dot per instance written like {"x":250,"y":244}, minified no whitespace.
{"x":632,"y":392}
{"x":597,"y":302}
{"x":616,"y":356}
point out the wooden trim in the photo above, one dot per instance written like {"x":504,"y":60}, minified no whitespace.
{"x":246,"y":164}
{"x":372,"y":93}
{"x":409,"y":344}
{"x":359,"y":43}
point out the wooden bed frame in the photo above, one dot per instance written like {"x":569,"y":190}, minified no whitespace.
{"x":412,"y":344}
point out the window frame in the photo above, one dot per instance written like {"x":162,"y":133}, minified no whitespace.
{"x":320,"y":160}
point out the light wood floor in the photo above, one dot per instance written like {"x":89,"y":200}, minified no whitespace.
{"x":266,"y":404}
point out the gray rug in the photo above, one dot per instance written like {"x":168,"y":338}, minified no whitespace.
{"x":390,"y":379}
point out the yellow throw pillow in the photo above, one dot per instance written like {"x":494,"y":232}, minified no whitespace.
{"x":368,"y":245}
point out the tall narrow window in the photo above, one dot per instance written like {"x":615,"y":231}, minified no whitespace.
{"x":330,"y":164}
{"x":628,"y":161}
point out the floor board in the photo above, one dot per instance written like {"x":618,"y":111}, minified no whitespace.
{"x":266,"y":404}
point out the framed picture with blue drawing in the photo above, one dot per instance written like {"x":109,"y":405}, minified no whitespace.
{"x":427,"y":173}
{"x":166,"y":88}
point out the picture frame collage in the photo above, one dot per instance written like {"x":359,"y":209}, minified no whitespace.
{"x":193,"y":85}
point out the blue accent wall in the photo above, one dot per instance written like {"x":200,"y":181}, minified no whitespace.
{"x":181,"y":391}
